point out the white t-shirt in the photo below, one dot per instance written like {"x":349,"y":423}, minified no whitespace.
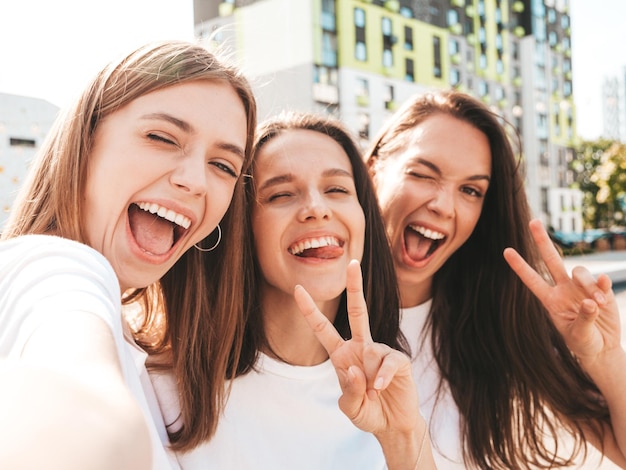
{"x":41,"y":275}
{"x":442,"y":416}
{"x":280,"y":417}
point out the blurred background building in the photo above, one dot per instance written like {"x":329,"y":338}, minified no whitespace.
{"x":359,"y":59}
{"x":24,"y":124}
{"x":614,"y":107}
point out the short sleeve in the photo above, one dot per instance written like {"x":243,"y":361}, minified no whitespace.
{"x":41,"y":276}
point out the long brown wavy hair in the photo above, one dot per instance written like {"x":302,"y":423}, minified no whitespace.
{"x":379,"y":279}
{"x":516,"y":384}
{"x":195,"y":313}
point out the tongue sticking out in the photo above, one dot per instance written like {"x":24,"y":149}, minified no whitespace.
{"x":324,"y":252}
{"x":417,"y":246}
{"x":153,"y":234}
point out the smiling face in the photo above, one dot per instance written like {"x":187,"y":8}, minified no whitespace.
{"x":161,"y":176}
{"x":431,"y":195}
{"x":307,"y":221}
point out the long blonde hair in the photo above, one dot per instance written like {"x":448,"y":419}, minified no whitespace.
{"x":194,"y":313}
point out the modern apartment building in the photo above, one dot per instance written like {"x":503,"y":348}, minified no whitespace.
{"x":614,"y":107}
{"x":359,"y":59}
{"x":24,"y":123}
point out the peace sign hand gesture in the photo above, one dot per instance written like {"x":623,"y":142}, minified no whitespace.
{"x":379,"y":395}
{"x":582,"y":308}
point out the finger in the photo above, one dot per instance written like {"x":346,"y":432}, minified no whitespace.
{"x":589,"y":311}
{"x":388,"y":363}
{"x":353,"y":389}
{"x":357,"y":308}
{"x":531,"y":278}
{"x":321,"y":326}
{"x":551,"y":257}
{"x":605,"y":283}
{"x":584,"y":279}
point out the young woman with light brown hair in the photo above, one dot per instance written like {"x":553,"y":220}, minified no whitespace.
{"x":147,"y":163}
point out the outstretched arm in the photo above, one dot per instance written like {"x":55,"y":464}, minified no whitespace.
{"x":585,"y":312}
{"x":379,"y":395}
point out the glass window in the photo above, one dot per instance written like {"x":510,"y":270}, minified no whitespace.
{"x":386,"y":26}
{"x":437,"y":72}
{"x":360,"y":51}
{"x":408,"y":38}
{"x":453,"y":46}
{"x":455,"y":77}
{"x":453,"y":17}
{"x":387,"y":58}
{"x":359,"y":17}
{"x":409,"y":75}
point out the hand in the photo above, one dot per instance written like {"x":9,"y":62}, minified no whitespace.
{"x":379,"y":395}
{"x":582,"y":308}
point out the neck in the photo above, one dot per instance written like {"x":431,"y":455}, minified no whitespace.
{"x":412,"y":294}
{"x":288,"y":334}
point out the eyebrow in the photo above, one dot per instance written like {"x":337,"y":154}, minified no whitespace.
{"x":289,"y":177}
{"x":186,"y":127}
{"x":436,"y":169}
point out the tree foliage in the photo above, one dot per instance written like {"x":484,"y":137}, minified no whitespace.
{"x":600,"y":173}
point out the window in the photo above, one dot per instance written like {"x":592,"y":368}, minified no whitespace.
{"x":409,"y":75}
{"x":328,"y":15}
{"x":388,"y":41}
{"x":455,"y":77}
{"x":360,"y":50}
{"x":17,"y":142}
{"x":364,"y":125}
{"x":437,"y":72}
{"x":389,"y":97}
{"x":453,"y":17}
{"x":329,"y":49}
{"x":408,"y":38}
{"x":453,"y":46}
{"x":499,"y":67}
{"x":483,"y":88}
{"x":362,"y":92}
{"x":482,"y":61}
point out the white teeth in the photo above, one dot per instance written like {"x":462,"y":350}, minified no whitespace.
{"x":313,"y":243}
{"x":425,"y":232}
{"x":167,"y":214}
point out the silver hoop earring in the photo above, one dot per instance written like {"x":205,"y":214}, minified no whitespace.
{"x":219,"y":238}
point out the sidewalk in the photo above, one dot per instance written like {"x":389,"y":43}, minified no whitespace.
{"x":612,"y":263}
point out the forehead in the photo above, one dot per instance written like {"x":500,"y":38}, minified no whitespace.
{"x":447,"y":141}
{"x":300,"y":152}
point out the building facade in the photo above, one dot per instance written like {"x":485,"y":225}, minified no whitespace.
{"x":614,"y":107}
{"x":24,"y":124}
{"x":359,"y":59}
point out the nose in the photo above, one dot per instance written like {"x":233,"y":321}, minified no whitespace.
{"x":314,"y":207}
{"x":190,"y":175}
{"x":442,"y":201}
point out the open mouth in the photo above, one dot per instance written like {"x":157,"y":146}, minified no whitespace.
{"x":320,"y":247}
{"x":156,"y":229}
{"x":420,"y":243}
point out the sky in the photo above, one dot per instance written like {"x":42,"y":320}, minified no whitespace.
{"x":49,"y":49}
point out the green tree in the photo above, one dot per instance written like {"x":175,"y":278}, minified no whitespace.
{"x":600,"y":173}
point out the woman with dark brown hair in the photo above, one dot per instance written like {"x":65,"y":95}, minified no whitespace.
{"x":331,"y":389}
{"x":497,"y":382}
